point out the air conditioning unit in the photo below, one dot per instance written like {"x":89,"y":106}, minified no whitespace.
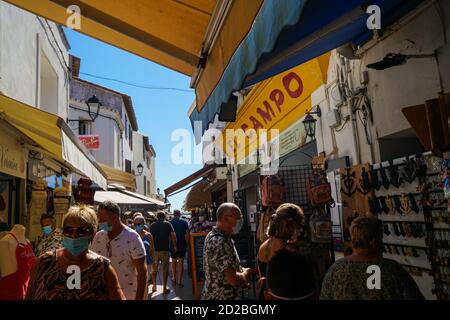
{"x":333,"y":118}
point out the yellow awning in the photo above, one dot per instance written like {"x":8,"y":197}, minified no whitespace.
{"x":274,"y":104}
{"x":170,"y":33}
{"x":116,"y":176}
{"x":167,"y":32}
{"x":51,"y":133}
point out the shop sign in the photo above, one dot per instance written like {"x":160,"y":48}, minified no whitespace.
{"x":13,"y":159}
{"x":289,"y":140}
{"x":90,"y":141}
{"x":274,"y":105}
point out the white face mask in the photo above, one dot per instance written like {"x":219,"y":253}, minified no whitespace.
{"x":238,"y":226}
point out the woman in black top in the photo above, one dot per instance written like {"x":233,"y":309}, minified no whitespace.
{"x":284,"y":228}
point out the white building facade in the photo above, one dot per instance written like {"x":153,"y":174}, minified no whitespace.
{"x":144,"y":155}
{"x":34,"y":60}
{"x":114,"y":124}
{"x":368,"y":103}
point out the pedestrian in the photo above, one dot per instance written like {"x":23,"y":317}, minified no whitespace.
{"x":98,"y":279}
{"x":162,"y":232}
{"x":51,"y":237}
{"x":289,"y":277}
{"x":147,"y":239}
{"x":347,"y":278}
{"x":181,"y":228}
{"x":124,"y":247}
{"x":285,"y":226}
{"x":223,"y":272}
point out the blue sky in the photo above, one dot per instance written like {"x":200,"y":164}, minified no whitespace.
{"x":158,"y":112}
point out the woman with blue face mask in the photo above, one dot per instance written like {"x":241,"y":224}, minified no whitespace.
{"x":147,"y":238}
{"x":73,"y":272}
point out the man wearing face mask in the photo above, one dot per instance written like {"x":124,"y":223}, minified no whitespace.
{"x":124,"y":247}
{"x":223,"y":272}
{"x":51,"y":237}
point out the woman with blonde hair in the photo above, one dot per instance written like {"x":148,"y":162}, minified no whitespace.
{"x":285,"y":227}
{"x":55,"y":274}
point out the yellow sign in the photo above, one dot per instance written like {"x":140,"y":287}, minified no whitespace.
{"x":274,"y":104}
{"x":13,"y":159}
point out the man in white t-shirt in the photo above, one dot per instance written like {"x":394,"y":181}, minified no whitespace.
{"x":124,"y":247}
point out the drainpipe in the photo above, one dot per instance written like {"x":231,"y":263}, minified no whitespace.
{"x":349,"y":97}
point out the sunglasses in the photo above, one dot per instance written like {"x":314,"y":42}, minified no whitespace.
{"x":79,"y":231}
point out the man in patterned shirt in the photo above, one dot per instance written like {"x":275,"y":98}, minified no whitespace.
{"x":51,"y":237}
{"x":223,"y":272}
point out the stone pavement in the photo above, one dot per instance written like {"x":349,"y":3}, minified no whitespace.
{"x":176,"y":293}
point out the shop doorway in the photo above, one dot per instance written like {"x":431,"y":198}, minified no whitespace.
{"x":9,"y":201}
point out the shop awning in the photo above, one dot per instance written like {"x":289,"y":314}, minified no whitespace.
{"x":186,"y":181}
{"x":126,"y":202}
{"x":167,"y":32}
{"x":159,"y":203}
{"x":116,"y":176}
{"x":288,"y":33}
{"x":197,"y":197}
{"x":52,"y":135}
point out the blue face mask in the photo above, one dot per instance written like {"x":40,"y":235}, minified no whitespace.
{"x":105,"y":226}
{"x":47,"y":230}
{"x":139,"y":227}
{"x":76,"y":246}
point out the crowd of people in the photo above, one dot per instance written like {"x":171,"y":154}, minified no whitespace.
{"x":284,"y":273}
{"x":118,"y":259}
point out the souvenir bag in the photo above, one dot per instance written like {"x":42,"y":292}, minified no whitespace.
{"x":321,"y":227}
{"x":319,"y":190}
{"x":272,"y":191}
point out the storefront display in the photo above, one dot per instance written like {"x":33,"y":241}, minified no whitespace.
{"x":61,"y":202}
{"x":38,"y":206}
{"x":407,"y":195}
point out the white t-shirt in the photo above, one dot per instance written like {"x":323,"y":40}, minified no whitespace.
{"x":125,"y":248}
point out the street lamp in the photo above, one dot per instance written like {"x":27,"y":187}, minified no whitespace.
{"x":93,"y":107}
{"x":310,"y":123}
{"x":140,"y":169}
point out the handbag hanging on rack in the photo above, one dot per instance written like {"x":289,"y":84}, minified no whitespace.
{"x":319,"y":190}
{"x":272,"y":191}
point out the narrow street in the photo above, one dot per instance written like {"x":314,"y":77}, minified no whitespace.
{"x":176,"y":293}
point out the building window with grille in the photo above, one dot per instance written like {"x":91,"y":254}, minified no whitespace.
{"x":83,"y":128}
{"x":130,"y":140}
{"x":127,"y":166}
{"x":145,"y":185}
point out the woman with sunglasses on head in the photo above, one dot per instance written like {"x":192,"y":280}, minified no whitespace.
{"x":54,"y":276}
{"x":285,"y":227}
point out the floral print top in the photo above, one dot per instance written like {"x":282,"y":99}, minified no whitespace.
{"x":48,"y":243}
{"x":219,"y":254}
{"x":348,"y":280}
